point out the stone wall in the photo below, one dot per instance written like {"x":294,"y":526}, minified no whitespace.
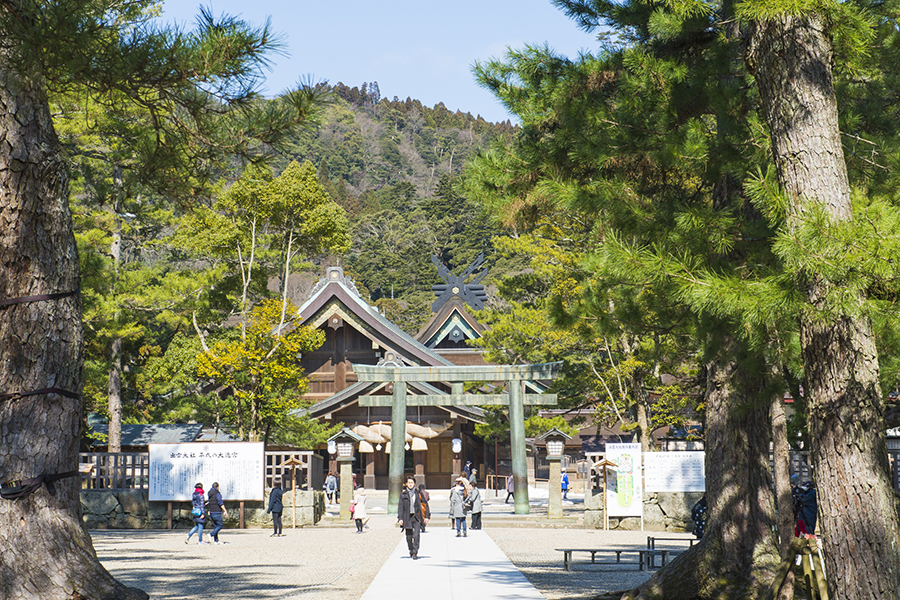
{"x":663,"y":511}
{"x":131,"y":509}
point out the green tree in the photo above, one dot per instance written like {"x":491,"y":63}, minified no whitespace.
{"x":791,"y":56}
{"x":665,"y":137}
{"x":260,"y":370}
{"x":308,"y":220}
{"x":602,"y":140}
{"x":197,"y":91}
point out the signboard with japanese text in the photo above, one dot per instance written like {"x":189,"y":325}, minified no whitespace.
{"x":238,"y":467}
{"x":674,"y":472}
{"x":624,"y":492}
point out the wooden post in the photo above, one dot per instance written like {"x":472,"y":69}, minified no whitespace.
{"x":241,"y":524}
{"x":292,"y":463}
{"x":169,"y":513}
{"x":604,"y":464}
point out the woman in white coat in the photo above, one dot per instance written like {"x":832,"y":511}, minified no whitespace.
{"x":359,"y":508}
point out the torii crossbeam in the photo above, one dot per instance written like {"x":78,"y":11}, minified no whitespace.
{"x":514,"y":375}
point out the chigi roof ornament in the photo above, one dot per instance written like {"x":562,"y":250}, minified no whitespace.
{"x":472,"y":293}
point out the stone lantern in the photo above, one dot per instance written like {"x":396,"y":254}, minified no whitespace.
{"x":555,"y":443}
{"x":345,"y":442}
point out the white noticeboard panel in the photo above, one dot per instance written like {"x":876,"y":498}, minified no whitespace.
{"x":675,"y":471}
{"x":238,"y":467}
{"x":624,"y":494}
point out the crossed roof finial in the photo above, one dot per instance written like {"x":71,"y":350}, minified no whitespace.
{"x":472,"y":293}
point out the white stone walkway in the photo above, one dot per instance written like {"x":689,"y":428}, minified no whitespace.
{"x":451,"y":568}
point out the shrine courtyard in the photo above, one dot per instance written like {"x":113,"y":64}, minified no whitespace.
{"x":513,"y":557}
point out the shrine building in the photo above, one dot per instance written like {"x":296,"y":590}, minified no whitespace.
{"x":356,"y":333}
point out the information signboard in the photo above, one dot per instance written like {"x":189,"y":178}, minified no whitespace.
{"x":624,"y":493}
{"x":238,"y":467}
{"x":674,"y":471}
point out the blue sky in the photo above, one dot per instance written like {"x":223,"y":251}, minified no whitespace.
{"x":423,"y":49}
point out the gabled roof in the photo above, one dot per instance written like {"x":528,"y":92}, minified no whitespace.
{"x":452,"y":321}
{"x":336,"y":294}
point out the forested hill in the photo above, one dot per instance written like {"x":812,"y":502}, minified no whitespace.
{"x":392,"y":165}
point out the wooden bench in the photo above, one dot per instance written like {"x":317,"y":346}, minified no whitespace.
{"x":651,"y":541}
{"x":645,"y":557}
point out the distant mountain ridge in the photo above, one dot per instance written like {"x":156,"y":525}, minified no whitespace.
{"x":393,"y":166}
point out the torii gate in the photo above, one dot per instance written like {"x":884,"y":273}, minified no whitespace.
{"x":514,"y":375}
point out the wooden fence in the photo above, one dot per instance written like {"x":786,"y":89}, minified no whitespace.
{"x":116,"y":470}
{"x":131,"y":470}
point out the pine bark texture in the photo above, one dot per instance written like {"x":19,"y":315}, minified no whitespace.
{"x":783,"y":500}
{"x":738,"y":556}
{"x":45,"y":550}
{"x":791,"y":59}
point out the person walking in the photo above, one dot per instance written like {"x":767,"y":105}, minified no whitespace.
{"x":217,"y":511}
{"x":509,"y":489}
{"x":425,"y":497}
{"x":473,"y":479}
{"x":197,"y":514}
{"x":276,"y":507}
{"x":410,"y":517}
{"x":330,"y":487}
{"x":565,"y":484}
{"x":358,"y":507}
{"x":475,"y":505}
{"x":457,"y":506}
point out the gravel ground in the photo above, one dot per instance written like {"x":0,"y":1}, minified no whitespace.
{"x":334,"y":563}
{"x":534,"y":552}
{"x":312,"y":564}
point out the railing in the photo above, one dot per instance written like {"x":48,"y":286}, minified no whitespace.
{"x":116,"y":470}
{"x":131,"y":470}
{"x":307,"y":475}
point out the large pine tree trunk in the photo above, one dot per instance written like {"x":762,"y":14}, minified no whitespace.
{"x":738,"y":555}
{"x":791,"y":59}
{"x":45,"y":550}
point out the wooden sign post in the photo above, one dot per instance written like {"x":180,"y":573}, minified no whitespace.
{"x":293,"y":463}
{"x":604,"y":464}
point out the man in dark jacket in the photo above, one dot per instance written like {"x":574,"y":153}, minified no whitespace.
{"x":410,"y":517}
{"x":216,"y":508}
{"x":698,"y":514}
{"x":276,"y":507}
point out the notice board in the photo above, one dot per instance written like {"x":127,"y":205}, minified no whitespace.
{"x":674,"y":471}
{"x":238,"y":467}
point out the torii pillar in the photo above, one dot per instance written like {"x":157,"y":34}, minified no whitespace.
{"x":514,"y":375}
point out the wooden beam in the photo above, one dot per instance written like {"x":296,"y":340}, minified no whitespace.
{"x":459,"y":400}
{"x":458,"y":373}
